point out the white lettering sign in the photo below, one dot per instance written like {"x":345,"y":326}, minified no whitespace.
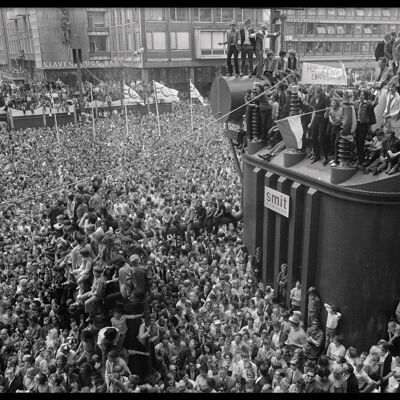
{"x":322,"y":75}
{"x":276,"y":201}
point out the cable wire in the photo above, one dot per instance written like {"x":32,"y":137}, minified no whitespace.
{"x":32,"y":196}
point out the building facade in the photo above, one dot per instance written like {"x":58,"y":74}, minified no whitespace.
{"x":177,"y":43}
{"x":328,"y":35}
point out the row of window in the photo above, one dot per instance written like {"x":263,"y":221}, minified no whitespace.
{"x":120,"y":16}
{"x":368,"y":12}
{"x":332,"y":48}
{"x":311,"y":29}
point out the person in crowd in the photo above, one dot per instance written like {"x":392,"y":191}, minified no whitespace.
{"x":318,"y":126}
{"x":233,"y":45}
{"x":247,"y":44}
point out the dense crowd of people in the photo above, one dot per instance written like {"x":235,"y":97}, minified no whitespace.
{"x":122,"y":263}
{"x":124,"y":282}
{"x":29,"y":96}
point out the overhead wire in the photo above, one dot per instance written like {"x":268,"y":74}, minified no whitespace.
{"x":64,"y":186}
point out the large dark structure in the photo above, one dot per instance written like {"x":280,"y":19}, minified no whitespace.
{"x":337,"y":229}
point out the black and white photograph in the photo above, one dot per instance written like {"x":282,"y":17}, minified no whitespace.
{"x":199,"y":199}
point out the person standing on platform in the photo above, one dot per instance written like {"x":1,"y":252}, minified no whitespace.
{"x":318,"y":126}
{"x":247,"y":47}
{"x":232,"y":42}
{"x":314,"y":306}
{"x":331,"y":323}
{"x":259,"y":47}
{"x":282,"y":283}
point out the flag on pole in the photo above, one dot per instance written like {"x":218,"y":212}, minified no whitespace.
{"x":291,"y":131}
{"x":132,"y":96}
{"x":344,"y":71}
{"x":194,"y":93}
{"x":165,"y":93}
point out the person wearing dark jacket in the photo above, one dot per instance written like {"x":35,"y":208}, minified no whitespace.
{"x":12,"y":382}
{"x":232,"y":42}
{"x":380,"y":50}
{"x":247,"y":43}
{"x":351,"y":380}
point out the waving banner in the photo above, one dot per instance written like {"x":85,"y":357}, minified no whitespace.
{"x":132,"y":96}
{"x":165,"y":93}
{"x":316,"y":74}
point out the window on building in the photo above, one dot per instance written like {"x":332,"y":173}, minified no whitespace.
{"x":301,"y":13}
{"x":375,"y":29}
{"x":365,"y":47}
{"x":266,"y":14}
{"x":331,"y":12}
{"x":321,"y":30}
{"x":376,"y":11}
{"x":359,"y":12}
{"x":383,"y":29}
{"x":319,"y":48}
{"x":357,"y":29}
{"x":128,"y":40}
{"x":300,"y":29}
{"x":128,"y":15}
{"x":291,"y":13}
{"x":337,"y":47}
{"x":356,"y":47}
{"x":112,"y":18}
{"x":349,"y":12}
{"x":348,"y":29}
{"x":114,"y":43}
{"x":97,"y":43}
{"x":209,"y":42}
{"x":367,"y":29}
{"x":96,"y":19}
{"x":248,"y":13}
{"x":309,"y":48}
{"x":386,"y":12}
{"x":341,"y":12}
{"x":340,"y":30}
{"x":368,"y":12}
{"x":290,"y":28}
{"x":120,"y":42}
{"x":155,"y":14}
{"x":311,"y":12}
{"x":119,"y":16}
{"x":179,"y":14}
{"x":180,"y":41}
{"x":223,"y":14}
{"x":202,"y":14}
{"x":330,"y":29}
{"x":346,"y":47}
{"x":156,"y":40}
{"x":392,"y":28}
{"x":321,"y":12}
{"x":302,"y":48}
{"x":310,"y":28}
{"x":329,"y":48}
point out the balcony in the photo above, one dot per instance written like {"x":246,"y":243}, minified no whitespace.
{"x":100,"y":55}
{"x":98,"y":30}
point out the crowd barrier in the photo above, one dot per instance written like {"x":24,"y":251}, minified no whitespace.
{"x":17,"y":119}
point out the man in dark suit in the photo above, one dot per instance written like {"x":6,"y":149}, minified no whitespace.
{"x":232,"y":42}
{"x":12,"y":382}
{"x":386,"y":359}
{"x":224,"y":379}
{"x":264,"y":377}
{"x":352,"y":382}
{"x":248,"y":44}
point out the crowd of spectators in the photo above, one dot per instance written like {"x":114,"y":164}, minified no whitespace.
{"x":122,"y":262}
{"x":124,"y":283}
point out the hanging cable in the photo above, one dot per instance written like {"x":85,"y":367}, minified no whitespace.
{"x":32,"y":196}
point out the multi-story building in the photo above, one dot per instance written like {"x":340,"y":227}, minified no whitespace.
{"x":178,"y":43}
{"x":329,"y":35}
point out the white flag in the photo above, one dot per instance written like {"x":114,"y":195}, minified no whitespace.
{"x":132,"y":96}
{"x":165,"y":93}
{"x":291,"y":131}
{"x":194,"y":93}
